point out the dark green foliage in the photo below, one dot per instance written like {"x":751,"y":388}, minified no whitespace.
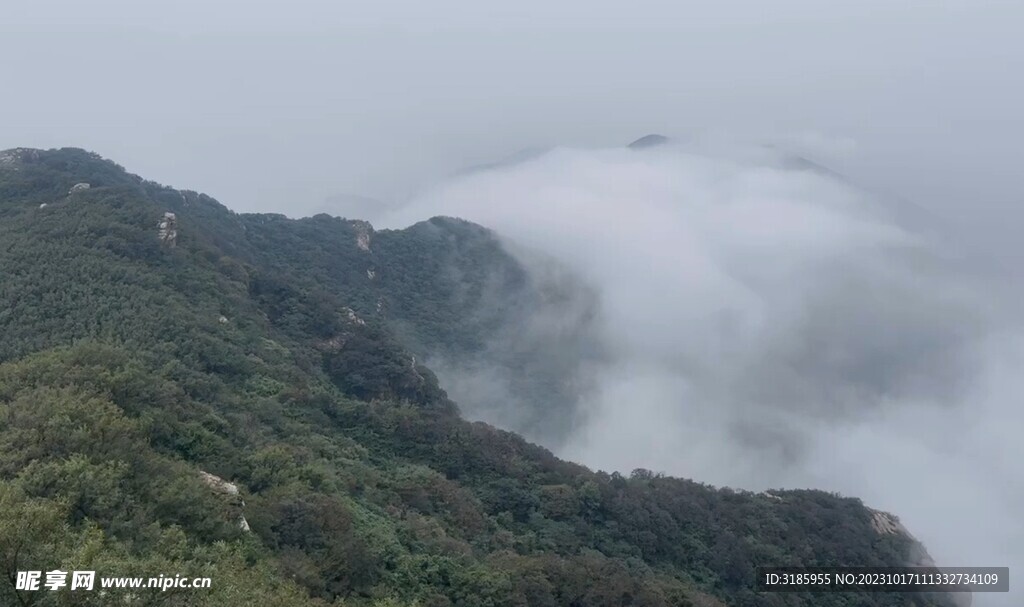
{"x":255,"y":351}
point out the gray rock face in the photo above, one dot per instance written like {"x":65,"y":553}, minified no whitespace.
{"x":363,"y":232}
{"x":11,"y":159}
{"x":228,"y":489}
{"x":79,"y":187}
{"x":167,"y":229}
{"x":888,"y":524}
{"x":218,"y":484}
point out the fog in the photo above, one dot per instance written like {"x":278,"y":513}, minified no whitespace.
{"x":765,"y":323}
{"x":765,"y":326}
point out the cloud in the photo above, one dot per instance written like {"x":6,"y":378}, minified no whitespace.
{"x":767,"y":324}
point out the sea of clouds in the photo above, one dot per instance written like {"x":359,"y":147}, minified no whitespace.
{"x":764,"y":323}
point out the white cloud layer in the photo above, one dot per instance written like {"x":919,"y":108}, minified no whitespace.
{"x":767,"y":325}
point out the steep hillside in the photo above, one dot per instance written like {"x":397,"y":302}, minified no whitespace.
{"x":236,"y":396}
{"x":506,"y":341}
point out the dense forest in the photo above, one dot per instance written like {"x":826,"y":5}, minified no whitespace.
{"x":279,"y":356}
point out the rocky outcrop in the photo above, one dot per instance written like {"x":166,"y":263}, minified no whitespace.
{"x":889,"y":524}
{"x":79,"y":187}
{"x":167,"y":229}
{"x":218,"y":484}
{"x":363,"y":232}
{"x":333,"y":344}
{"x":10,"y":159}
{"x":226,"y":488}
{"x":352,"y":317}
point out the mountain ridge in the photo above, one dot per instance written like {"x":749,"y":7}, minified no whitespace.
{"x":234,"y":355}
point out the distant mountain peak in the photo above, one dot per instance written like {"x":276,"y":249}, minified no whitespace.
{"x":649,"y":141}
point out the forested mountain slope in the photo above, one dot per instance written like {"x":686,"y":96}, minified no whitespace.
{"x":278,"y":355}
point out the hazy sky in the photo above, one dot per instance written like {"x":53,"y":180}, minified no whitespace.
{"x":275,"y":106}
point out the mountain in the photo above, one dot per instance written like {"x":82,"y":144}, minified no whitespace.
{"x":190,"y":391}
{"x":649,"y":141}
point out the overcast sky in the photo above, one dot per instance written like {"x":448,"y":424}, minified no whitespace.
{"x":276,"y":106}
